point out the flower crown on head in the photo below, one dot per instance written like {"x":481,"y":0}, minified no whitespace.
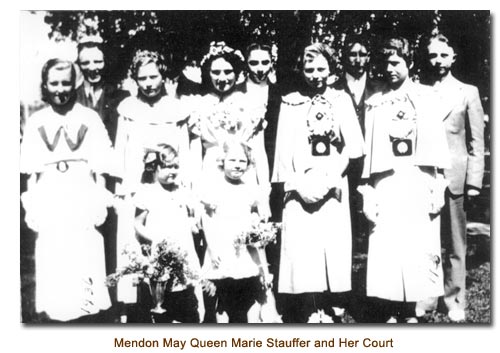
{"x":90,"y":39}
{"x":140,"y":54}
{"x":219,"y":49}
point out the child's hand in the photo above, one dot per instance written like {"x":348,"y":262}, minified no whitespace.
{"x":209,"y":208}
{"x":208,"y":287}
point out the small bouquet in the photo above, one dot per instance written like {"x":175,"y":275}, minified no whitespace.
{"x":164,"y":266}
{"x":259,"y":235}
{"x":256,"y":239}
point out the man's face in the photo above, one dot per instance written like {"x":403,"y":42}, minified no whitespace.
{"x":259,"y":65}
{"x":395,"y":70}
{"x":440,"y":57}
{"x":357,"y":60}
{"x":91,"y":62}
{"x":316,"y":72}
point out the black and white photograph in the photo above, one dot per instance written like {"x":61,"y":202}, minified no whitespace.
{"x":255,"y":166}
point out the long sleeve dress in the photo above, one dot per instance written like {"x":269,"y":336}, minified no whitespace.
{"x":64,"y":207}
{"x":404,"y":256}
{"x":316,"y":237}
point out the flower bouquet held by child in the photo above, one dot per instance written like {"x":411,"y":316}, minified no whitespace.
{"x":255,"y":240}
{"x":162,"y":267}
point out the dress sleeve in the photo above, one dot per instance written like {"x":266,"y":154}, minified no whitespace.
{"x":140,"y":198}
{"x":119,"y":149}
{"x":30,"y":148}
{"x":284,"y":138}
{"x":100,"y":145}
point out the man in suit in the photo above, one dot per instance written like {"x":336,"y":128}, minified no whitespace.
{"x":464,"y":122}
{"x":356,"y":60}
{"x":95,"y":92}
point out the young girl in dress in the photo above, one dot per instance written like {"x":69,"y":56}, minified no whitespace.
{"x":231,"y":207}
{"x":164,"y":211}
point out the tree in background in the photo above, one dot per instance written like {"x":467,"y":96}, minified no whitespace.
{"x":184,"y":36}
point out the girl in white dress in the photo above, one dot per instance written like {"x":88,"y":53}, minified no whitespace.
{"x":406,"y":153}
{"x":318,"y":133}
{"x":166,"y":211}
{"x":65,"y":149}
{"x":231,"y":207}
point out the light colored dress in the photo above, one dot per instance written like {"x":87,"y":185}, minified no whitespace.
{"x":404,"y":256}
{"x":64,"y":207}
{"x":141,"y":127}
{"x":168,"y":219}
{"x":316,"y":238}
{"x":231,"y":215}
{"x":235,"y":117}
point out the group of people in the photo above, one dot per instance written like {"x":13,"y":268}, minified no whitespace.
{"x":380,"y":155}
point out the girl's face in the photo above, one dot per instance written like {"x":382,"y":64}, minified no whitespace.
{"x":59,"y":86}
{"x":316,"y":72}
{"x":167,"y":174}
{"x":235,"y":164}
{"x":149,"y":80}
{"x":222,"y":75}
{"x":259,"y":65}
{"x":396,"y":70}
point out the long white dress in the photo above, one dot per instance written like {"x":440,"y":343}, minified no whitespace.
{"x":404,"y":256}
{"x":316,"y":238}
{"x":64,"y":207}
{"x":141,"y":127}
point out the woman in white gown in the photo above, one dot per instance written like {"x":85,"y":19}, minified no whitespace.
{"x":224,"y":112}
{"x":317,"y":135}
{"x":65,"y":148}
{"x":406,"y":152}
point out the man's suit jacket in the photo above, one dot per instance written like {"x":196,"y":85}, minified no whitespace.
{"x":341,"y":84}
{"x":105,"y":106}
{"x":464,"y":122}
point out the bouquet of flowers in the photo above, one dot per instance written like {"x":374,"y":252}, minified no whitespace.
{"x":257,"y":238}
{"x":165,"y":265}
{"x":259,"y":235}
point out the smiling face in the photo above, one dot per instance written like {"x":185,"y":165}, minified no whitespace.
{"x":59,"y":85}
{"x":440,"y":57}
{"x":395,"y":70}
{"x":167,"y":173}
{"x":222,"y":75}
{"x":316,"y":72}
{"x":259,"y":65}
{"x":356,"y":61}
{"x":149,"y":80}
{"x":235,"y":163}
{"x":91,"y":62}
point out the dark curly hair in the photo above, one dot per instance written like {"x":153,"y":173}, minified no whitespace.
{"x":234,"y":58}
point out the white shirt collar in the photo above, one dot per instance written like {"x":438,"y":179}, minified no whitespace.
{"x":356,"y":86}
